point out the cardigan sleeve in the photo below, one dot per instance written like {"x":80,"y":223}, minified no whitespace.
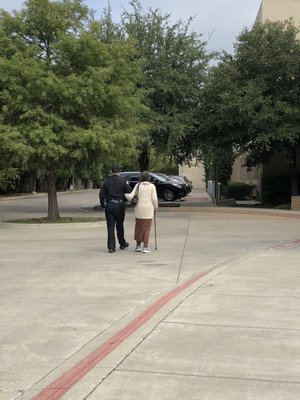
{"x":154,"y":198}
{"x":129,"y":196}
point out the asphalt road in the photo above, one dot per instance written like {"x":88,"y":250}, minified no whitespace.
{"x":77,"y":203}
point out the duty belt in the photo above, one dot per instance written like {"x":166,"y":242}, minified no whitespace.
{"x":116,"y":201}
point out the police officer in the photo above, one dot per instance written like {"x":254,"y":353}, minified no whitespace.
{"x":113,"y":201}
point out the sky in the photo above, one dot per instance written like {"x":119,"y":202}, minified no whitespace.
{"x":219,"y":21}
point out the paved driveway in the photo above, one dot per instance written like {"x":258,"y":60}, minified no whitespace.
{"x":212,"y":314}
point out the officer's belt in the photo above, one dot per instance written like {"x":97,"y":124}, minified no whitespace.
{"x":116,"y":201}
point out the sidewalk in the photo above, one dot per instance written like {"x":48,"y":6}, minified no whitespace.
{"x":212,"y":314}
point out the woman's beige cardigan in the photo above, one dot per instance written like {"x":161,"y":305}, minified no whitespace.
{"x":147,"y":200}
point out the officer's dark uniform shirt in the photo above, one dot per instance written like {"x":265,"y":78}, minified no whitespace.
{"x":114,"y":188}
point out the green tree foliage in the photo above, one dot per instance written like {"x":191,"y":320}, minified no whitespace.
{"x":174,"y":66}
{"x":218,"y":122}
{"x":276,"y":189}
{"x":69,"y":102}
{"x":268,"y":61}
{"x":251,"y":102}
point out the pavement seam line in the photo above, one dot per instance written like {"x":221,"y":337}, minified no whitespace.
{"x":184,"y":246}
{"x":207,"y":376}
{"x":271,"y":328}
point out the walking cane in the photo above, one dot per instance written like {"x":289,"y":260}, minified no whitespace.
{"x":155,"y":238}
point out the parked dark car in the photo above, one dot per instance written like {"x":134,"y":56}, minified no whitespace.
{"x":183,"y":179}
{"x":167,"y":189}
{"x":173,"y":179}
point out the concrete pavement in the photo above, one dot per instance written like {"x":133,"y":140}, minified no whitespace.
{"x":212,"y":314}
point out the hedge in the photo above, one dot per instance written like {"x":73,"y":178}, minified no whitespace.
{"x":238,"y":190}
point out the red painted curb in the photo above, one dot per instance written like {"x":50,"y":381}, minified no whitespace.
{"x":64,"y":383}
{"x":286,"y":245}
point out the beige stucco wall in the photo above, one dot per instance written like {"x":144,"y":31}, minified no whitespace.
{"x":259,"y":15}
{"x":295,"y":203}
{"x":279,"y":10}
{"x":195,"y":174}
{"x":240,"y":173}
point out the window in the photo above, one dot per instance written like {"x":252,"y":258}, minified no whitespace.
{"x":134,"y":179}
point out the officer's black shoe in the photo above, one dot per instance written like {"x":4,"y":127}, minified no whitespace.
{"x":124,"y":246}
{"x":111,"y":250}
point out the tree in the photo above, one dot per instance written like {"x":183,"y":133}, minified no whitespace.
{"x":268,"y":59}
{"x":218,"y":121}
{"x":174,"y":66}
{"x":250,"y":103}
{"x":69,"y":98}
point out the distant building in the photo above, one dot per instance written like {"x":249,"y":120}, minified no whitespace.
{"x":196,"y":174}
{"x":275,"y":10}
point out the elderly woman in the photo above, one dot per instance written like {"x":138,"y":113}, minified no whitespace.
{"x":143,"y":211}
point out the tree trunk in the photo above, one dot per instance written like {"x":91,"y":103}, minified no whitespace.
{"x":294,"y":172}
{"x":144,"y":160}
{"x":53,"y":212}
{"x":33,"y":182}
{"x":294,"y":179}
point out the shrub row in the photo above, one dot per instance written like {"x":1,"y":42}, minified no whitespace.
{"x":238,"y":190}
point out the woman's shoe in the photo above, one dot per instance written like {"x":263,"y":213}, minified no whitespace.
{"x":146,"y":250}
{"x":138,"y":249}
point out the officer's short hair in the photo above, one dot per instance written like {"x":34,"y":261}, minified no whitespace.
{"x":115,"y":168}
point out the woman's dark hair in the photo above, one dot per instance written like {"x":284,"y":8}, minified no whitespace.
{"x":144,"y":176}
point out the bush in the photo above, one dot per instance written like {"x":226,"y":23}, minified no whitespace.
{"x":238,"y":190}
{"x":276,"y":189}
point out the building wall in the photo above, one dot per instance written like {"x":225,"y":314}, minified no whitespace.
{"x":196,"y":174}
{"x":240,"y":173}
{"x":259,"y":15}
{"x":279,"y":10}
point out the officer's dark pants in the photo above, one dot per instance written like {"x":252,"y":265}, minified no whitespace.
{"x":115,"y":214}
